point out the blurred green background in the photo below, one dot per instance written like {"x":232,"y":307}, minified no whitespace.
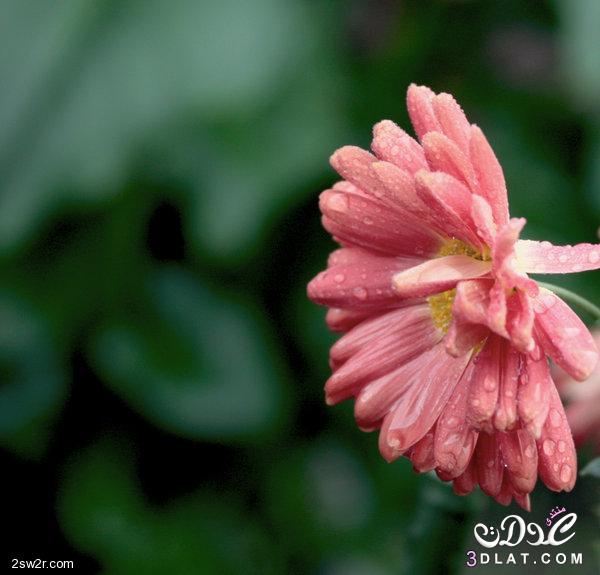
{"x":161,"y":403}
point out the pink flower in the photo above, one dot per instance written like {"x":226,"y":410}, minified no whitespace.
{"x":446,"y":336}
{"x":583,"y":404}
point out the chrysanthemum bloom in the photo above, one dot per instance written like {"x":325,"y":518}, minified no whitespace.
{"x":583,"y":404}
{"x":446,"y":337}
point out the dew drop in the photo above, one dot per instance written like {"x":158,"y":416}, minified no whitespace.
{"x":562,"y":446}
{"x":360,"y":293}
{"x":565,"y":473}
{"x":490,"y":463}
{"x":555,"y":418}
{"x":577,"y":267}
{"x":563,"y":258}
{"x":338,"y":202}
{"x":548,"y":446}
{"x":594,"y":257}
{"x":489,"y":383}
{"x":529,"y":451}
{"x":339,"y":278}
{"x":368,"y":221}
{"x":452,"y":422}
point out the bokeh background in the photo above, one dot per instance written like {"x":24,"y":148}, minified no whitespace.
{"x":161,"y":404}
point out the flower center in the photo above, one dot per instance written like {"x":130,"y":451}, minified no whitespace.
{"x":440,"y":306}
{"x":454,"y":247}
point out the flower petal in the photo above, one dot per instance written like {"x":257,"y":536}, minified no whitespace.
{"x":450,"y":201}
{"x":557,"y":460}
{"x":564,"y":337}
{"x":369,"y":330}
{"x":465,"y":483}
{"x":365,"y":285}
{"x":411,"y":333}
{"x":481,"y":213}
{"x":489,"y":464}
{"x":438,"y":274}
{"x":342,"y":320}
{"x":392,"y":144}
{"x":444,"y":155}
{"x":534,"y":393}
{"x":455,"y":439}
{"x":421,"y":455}
{"x":421,"y":405}
{"x":362,"y":221}
{"x":545,"y":258}
{"x":519,"y":454}
{"x":490,"y":178}
{"x":484,"y":385}
{"x":452,"y":120}
{"x":505,"y":416}
{"x":420,"y":109}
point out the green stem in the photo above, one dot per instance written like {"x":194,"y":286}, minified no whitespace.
{"x":574,"y":299}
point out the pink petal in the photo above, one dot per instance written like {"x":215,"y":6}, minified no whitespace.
{"x":483,"y":391}
{"x":370,"y":330}
{"x":564,"y":337}
{"x":365,"y":222}
{"x":452,"y":120}
{"x":557,"y":458}
{"x":534,"y":394}
{"x":342,"y":320}
{"x":421,"y":454}
{"x":411,"y":334}
{"x":422,"y":403}
{"x":454,"y":438}
{"x":353,"y":164}
{"x":489,"y":174}
{"x":506,"y":409}
{"x":519,"y":321}
{"x":437,"y":275}
{"x":463,"y":336}
{"x":420,"y":109}
{"x":392,"y":144}
{"x":450,"y":201}
{"x":402,"y":193}
{"x":504,"y":496}
{"x":489,"y":464}
{"x":545,"y":258}
{"x":523,"y":500}
{"x":506,"y":266}
{"x":481,"y":213}
{"x":519,"y":454}
{"x":465,"y":483}
{"x":364,"y":285}
{"x":443,"y":155}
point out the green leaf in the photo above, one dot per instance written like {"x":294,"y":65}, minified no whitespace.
{"x":194,"y":363}
{"x":592,"y":468}
{"x":91,"y":86}
{"x":33,"y":381}
{"x":103,"y":512}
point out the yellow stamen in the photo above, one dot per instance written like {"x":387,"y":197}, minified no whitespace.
{"x":440,"y":306}
{"x":454,"y":247}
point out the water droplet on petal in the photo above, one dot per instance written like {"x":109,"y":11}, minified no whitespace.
{"x":489,"y":383}
{"x":529,"y":451}
{"x":563,"y":258}
{"x":360,"y":293}
{"x":555,"y":418}
{"x":490,"y":463}
{"x":548,"y":446}
{"x":452,"y":422}
{"x":339,"y":278}
{"x":338,"y":202}
{"x":594,"y":257}
{"x":565,"y":473}
{"x":562,"y":446}
{"x":368,"y":221}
